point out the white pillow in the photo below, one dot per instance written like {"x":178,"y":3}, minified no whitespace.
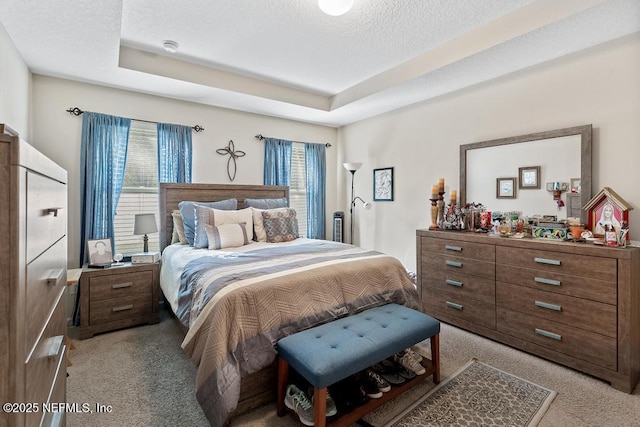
{"x":227,"y":235}
{"x":258,"y":225}
{"x":210,"y":216}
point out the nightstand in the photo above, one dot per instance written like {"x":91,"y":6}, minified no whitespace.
{"x":118,"y":297}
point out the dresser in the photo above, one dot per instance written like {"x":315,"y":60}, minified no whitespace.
{"x":576,"y":304}
{"x":33,"y":269}
{"x":118,"y":297}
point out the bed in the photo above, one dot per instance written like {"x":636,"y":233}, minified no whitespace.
{"x":236,"y":303}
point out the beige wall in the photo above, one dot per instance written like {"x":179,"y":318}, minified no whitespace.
{"x":15,"y":87}
{"x":600,"y":86}
{"x":57,"y":134}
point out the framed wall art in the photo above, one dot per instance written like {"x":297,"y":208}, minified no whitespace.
{"x":383,"y":185}
{"x":529,"y":177}
{"x":506,"y":188}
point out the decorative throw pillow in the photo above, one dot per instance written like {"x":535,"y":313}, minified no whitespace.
{"x":258,"y":225}
{"x":188,"y":212}
{"x":178,"y":229}
{"x":266,"y":203}
{"x":227,"y":235}
{"x":211,"y":216}
{"x":280,"y":225}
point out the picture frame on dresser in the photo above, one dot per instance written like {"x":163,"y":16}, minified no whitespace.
{"x":100,"y":254}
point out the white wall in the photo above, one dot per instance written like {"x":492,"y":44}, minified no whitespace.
{"x":15,"y":87}
{"x":600,"y":86}
{"x":57,"y":135}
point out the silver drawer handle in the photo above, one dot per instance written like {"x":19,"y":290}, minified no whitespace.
{"x":548,"y":334}
{"x":56,"y":420}
{"x":547,"y":281}
{"x":122,"y":285}
{"x":547,"y":261}
{"x":53,"y":211}
{"x":454,"y":305}
{"x":453,"y":283}
{"x":548,"y":306}
{"x":55,"y":345}
{"x":55,"y":276}
{"x":453,"y":264}
{"x":453,"y":248}
{"x":122,"y":308}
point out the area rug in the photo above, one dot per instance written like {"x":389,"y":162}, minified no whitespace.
{"x":479,"y":395}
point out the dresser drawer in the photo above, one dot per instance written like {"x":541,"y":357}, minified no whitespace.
{"x":43,"y":363}
{"x":460,"y":306}
{"x":458,"y":283}
{"x":119,"y":308}
{"x":546,"y":280}
{"x":559,"y":262}
{"x":463,"y":249}
{"x":578,"y":343}
{"x":577,"y":312}
{"x":120,"y":285}
{"x":45,"y":280}
{"x":432,"y":262}
{"x":46,"y":213}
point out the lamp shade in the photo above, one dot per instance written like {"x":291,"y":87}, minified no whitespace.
{"x":145,"y":224}
{"x":353,"y":166}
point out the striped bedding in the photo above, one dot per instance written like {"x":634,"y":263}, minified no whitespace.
{"x":239,"y":304}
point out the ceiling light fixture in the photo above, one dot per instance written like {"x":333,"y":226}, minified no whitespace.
{"x":335,"y":7}
{"x":170,"y":46}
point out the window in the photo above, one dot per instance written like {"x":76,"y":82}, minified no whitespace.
{"x":139,"y":190}
{"x":298,"y":186}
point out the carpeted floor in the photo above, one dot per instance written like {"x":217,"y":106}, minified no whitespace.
{"x":145,"y":377}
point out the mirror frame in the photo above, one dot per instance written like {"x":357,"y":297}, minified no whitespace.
{"x":585,"y":132}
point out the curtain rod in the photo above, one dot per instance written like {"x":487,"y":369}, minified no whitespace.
{"x":75,"y":111}
{"x":260,"y":137}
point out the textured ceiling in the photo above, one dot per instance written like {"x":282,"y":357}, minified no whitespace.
{"x":286,"y":58}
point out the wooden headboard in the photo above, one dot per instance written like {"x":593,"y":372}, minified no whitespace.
{"x":172,"y":194}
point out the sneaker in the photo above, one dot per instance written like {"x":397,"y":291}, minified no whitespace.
{"x":382,"y":384}
{"x":331,"y":404}
{"x":369,"y":385}
{"x":405,"y":373}
{"x":388,"y":371}
{"x":415,"y":356}
{"x":348,"y":394}
{"x":296,"y":400}
{"x":409,"y":363}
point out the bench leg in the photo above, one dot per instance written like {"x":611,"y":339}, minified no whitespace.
{"x":435,"y":357}
{"x":320,"y":406}
{"x":283,"y":379}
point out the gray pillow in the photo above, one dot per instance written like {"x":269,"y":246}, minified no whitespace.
{"x":266,"y":203}
{"x":281,"y":225}
{"x":188,"y":212}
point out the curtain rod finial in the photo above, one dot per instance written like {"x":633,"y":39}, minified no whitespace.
{"x":260,"y":137}
{"x":198,"y":128}
{"x":74,"y":111}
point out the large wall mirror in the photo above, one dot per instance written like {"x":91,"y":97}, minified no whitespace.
{"x":558,"y":156}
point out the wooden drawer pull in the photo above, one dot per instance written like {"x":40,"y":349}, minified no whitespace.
{"x":55,"y":346}
{"x":453,"y":248}
{"x":547,"y":281}
{"x":122,"y":285}
{"x":54,"y":276}
{"x":453,"y":283}
{"x":548,"y":306}
{"x":122,"y":308}
{"x":453,"y":264}
{"x":548,"y":334}
{"x":454,"y":305}
{"x":547,"y":261}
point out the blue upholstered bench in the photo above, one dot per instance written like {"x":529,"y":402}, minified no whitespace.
{"x":328,"y":353}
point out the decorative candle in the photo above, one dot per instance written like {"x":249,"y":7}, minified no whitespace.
{"x":454,"y":195}
{"x":434,"y":192}
{"x":441,"y":185}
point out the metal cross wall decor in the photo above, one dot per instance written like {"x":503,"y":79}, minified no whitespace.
{"x":233,"y":155}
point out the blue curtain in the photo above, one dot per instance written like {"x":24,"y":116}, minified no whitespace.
{"x":277,"y":161}
{"x":316,"y":177}
{"x":103,"y":154}
{"x":174,"y":153}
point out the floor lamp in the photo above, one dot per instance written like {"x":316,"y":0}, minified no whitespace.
{"x":353,"y":167}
